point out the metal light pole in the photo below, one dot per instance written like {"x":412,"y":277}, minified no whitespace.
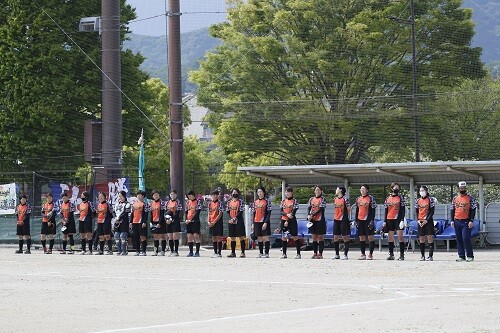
{"x":414,"y":101}
{"x":175,"y":87}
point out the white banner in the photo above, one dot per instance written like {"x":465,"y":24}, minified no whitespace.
{"x":8,"y":198}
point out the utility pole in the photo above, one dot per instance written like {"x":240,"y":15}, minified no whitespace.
{"x":175,"y":107}
{"x":414,"y":94}
{"x":112,"y":126}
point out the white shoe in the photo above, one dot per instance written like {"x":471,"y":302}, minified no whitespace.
{"x":344,"y":257}
{"x":283,"y":256}
{"x":215,"y":255}
{"x":362,"y":257}
{"x":298,"y":256}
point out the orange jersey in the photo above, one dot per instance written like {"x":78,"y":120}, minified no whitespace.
{"x":234,"y":207}
{"x":192,"y":207}
{"x":365,"y":205}
{"x":155,"y":208}
{"x":260,"y":208}
{"x":102,"y":211}
{"x":288,"y":206}
{"x":394,"y":204}
{"x":315,"y":205}
{"x":172,"y":206}
{"x":22,"y":211}
{"x":138,"y":208}
{"x":341,"y":206}
{"x":423,"y":207}
{"x":214,"y":209}
{"x":65,"y":209}
{"x":47,"y":208}
{"x":462,"y":206}
{"x":84,"y":209}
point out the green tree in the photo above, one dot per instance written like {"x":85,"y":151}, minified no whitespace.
{"x":49,"y":87}
{"x":305,"y":82}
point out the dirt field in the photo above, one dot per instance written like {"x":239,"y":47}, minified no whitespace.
{"x":63,"y":293}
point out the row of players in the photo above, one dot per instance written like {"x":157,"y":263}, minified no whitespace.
{"x":126,"y":220}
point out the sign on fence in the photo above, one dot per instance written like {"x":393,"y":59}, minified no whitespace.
{"x":8,"y":196}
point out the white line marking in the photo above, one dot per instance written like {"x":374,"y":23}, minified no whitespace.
{"x":185,"y":323}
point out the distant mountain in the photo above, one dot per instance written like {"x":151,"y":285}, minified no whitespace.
{"x":194,"y":45}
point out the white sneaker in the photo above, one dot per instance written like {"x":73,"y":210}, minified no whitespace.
{"x":344,"y":257}
{"x":298,"y":256}
{"x":162,"y":253}
{"x":336,"y":257}
{"x":469,"y":259}
{"x":215,"y":255}
{"x":265,"y":256}
{"x":283,"y":256}
{"x":362,"y":257}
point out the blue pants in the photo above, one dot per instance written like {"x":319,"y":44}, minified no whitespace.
{"x":464,"y":243}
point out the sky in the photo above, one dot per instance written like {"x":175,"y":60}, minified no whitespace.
{"x":196,"y":14}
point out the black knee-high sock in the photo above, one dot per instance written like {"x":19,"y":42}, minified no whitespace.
{"x":191,"y":244}
{"x":261,"y":247}
{"x":284,"y":243}
{"x":101,"y":246}
{"x":90,"y":244}
{"x":65,"y":244}
{"x":233,"y":246}
{"x":28,"y":243}
{"x":163,"y":245}
{"x":362,"y":245}
{"x":214,"y":244}
{"x":144,"y":245}
{"x":137,"y":243}
{"x":84,"y":244}
{"x":321,"y":246}
{"x":219,"y":247}
{"x":422,"y":249}
{"x":315,"y":247}
{"x":110,"y":245}
{"x":71,"y":240}
{"x":372,"y":247}
{"x":156,"y":245}
{"x":297,"y":245}
{"x":431,"y":249}
{"x":267,"y":245}
{"x":198,"y":245}
{"x":51,"y":244}
{"x":176,"y":246}
{"x":21,"y":243}
{"x":337,"y":247}
{"x":346,"y":247}
{"x":402,"y":248}
{"x":44,"y":243}
{"x":391,"y":248}
{"x":243,"y":245}
{"x":171,"y":245}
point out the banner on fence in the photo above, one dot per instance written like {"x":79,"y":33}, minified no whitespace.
{"x":8,"y":196}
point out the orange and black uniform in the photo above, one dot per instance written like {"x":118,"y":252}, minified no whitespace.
{"x":139,"y":217}
{"x":261,"y":211}
{"x":341,"y":225}
{"x":215,"y":213}
{"x":87,"y":213}
{"x":104,"y":216}
{"x":424,"y":210}
{"x":463,"y":211}
{"x":67,"y":212}
{"x":316,"y":209}
{"x":174,"y":209}
{"x":23,"y":213}
{"x":157,"y":216}
{"x":49,"y":212}
{"x":365,"y":215}
{"x":289,"y":206}
{"x":394,"y":214}
{"x":236,"y":207}
{"x":193,"y":209}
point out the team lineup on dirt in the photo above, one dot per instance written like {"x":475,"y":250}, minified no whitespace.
{"x":124,"y":221}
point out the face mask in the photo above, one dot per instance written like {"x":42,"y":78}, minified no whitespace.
{"x":235,"y":195}
{"x":84,"y":199}
{"x":423,"y":194}
{"x":396,"y":191}
{"x":463,"y":191}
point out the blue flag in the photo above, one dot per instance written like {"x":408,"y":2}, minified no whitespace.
{"x":142,"y":183}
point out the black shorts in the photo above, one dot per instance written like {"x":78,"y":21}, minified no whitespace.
{"x":237,"y":230}
{"x":70,"y":228}
{"x":364,"y":228}
{"x":427,"y":229}
{"x":291,"y":228}
{"x":104,"y":228}
{"x":217,"y":229}
{"x":139,"y":230}
{"x":175,"y":226}
{"x":85,"y":226}
{"x":122,"y":227}
{"x":318,"y":228}
{"x":160,"y":228}
{"x":23,"y":230}
{"x":193,"y":227}
{"x":46,"y":230}
{"x":341,"y":228}
{"x":393,"y":225}
{"x":257,"y":229}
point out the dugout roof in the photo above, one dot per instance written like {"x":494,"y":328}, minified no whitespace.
{"x":422,"y":173}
